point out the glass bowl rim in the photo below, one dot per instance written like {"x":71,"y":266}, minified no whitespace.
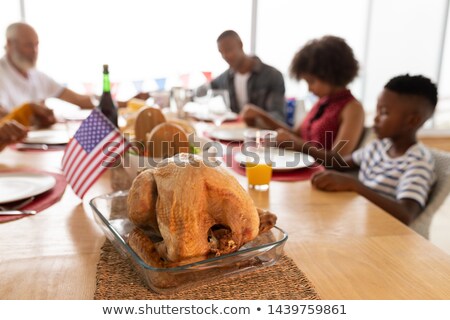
{"x":137,"y":258}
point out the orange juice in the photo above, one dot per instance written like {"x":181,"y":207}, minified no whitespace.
{"x":258,"y":175}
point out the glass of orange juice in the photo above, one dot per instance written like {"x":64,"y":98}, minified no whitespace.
{"x":258,"y":175}
{"x":257,"y":146}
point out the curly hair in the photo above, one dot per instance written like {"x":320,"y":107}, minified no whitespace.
{"x":329,"y":58}
{"x":414,"y":85}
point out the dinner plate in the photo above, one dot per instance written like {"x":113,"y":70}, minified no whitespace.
{"x":78,"y":115}
{"x":18,"y":186}
{"x":207,"y":117}
{"x":47,"y":137}
{"x":228,"y":134}
{"x":282,"y":159}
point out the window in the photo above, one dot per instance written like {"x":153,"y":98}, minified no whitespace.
{"x":139,"y":39}
{"x":405,"y":37}
{"x":9,"y":13}
{"x":284,"y":26}
{"x":143,"y":40}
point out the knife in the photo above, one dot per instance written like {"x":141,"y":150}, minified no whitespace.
{"x":34,"y":146}
{"x":16,"y":212}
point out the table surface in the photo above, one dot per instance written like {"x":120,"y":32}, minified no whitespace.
{"x":347,"y":247}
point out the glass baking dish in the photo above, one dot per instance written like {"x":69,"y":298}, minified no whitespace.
{"x":110,"y":212}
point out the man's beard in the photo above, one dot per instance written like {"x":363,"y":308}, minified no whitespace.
{"x":21,"y":62}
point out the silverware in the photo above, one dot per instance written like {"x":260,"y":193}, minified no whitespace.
{"x":16,"y":205}
{"x":34,"y":146}
{"x":16,"y":212}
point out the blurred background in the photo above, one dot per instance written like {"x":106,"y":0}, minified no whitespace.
{"x":152,"y":44}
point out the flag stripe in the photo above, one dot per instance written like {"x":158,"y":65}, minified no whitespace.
{"x":77,"y":153}
{"x":68,"y":152}
{"x":92,"y":160}
{"x":92,"y":178}
{"x":83,"y":158}
{"x":94,"y":175}
{"x":90,"y":166}
{"x":90,"y":152}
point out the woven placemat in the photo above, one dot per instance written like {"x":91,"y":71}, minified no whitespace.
{"x":117,"y":280}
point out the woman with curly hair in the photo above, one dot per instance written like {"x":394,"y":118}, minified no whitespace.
{"x":335,"y":123}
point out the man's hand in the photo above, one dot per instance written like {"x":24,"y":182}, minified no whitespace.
{"x":11,"y":132}
{"x":142,"y":96}
{"x":3,"y":112}
{"x":42,"y":116}
{"x":330,"y":180}
{"x":251,"y":113}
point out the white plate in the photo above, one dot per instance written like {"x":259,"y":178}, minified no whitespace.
{"x":18,"y":186}
{"x":282,"y":159}
{"x":47,"y":137}
{"x":78,"y":115}
{"x":228,"y":134}
{"x":207,"y":117}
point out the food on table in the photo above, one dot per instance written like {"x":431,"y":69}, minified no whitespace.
{"x":147,"y":119}
{"x":196,"y":211}
{"x":166,"y":140}
{"x":187,"y":127}
{"x":160,"y":138}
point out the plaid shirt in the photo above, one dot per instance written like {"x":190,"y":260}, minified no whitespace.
{"x":265,"y":88}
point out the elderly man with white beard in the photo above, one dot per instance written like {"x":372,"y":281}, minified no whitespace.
{"x":21,"y":82}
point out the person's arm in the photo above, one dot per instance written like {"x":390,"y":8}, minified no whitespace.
{"x":141,"y":96}
{"x":275,"y":104}
{"x":11,"y":132}
{"x":350,"y":129}
{"x":254,"y":116}
{"x":329,"y":158}
{"x":43,"y":117}
{"x":347,"y":139}
{"x":405,"y":210}
{"x":83,"y":101}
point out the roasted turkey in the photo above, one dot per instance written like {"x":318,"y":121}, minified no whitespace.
{"x":196,"y":211}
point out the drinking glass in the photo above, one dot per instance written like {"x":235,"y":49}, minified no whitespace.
{"x":257,"y":147}
{"x":218,"y":105}
{"x":181,"y":96}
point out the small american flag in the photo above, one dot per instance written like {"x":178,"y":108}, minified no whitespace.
{"x":94,"y":148}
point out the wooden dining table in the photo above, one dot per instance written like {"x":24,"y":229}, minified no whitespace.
{"x":346,"y":246}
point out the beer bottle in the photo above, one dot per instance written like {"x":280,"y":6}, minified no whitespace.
{"x":107,"y":105}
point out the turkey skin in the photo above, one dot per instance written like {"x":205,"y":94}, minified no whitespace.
{"x":196,"y":209}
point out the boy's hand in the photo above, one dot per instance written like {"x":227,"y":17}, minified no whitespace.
{"x":330,"y":180}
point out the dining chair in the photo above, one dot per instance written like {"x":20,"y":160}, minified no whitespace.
{"x":438,"y":194}
{"x":366,"y":136}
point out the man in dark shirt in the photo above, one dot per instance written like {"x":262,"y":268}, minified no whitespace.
{"x":248,"y":80}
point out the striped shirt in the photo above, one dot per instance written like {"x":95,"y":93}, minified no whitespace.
{"x":409,"y":176}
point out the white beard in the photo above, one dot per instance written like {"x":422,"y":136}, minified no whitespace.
{"x":21,"y":62}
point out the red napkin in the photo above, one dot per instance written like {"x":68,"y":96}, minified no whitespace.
{"x":294,"y":175}
{"x":42,"y":201}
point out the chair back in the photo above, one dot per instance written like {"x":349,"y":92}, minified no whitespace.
{"x":438,"y":194}
{"x":366,"y":136}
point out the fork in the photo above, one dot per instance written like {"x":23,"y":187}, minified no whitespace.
{"x":18,"y":205}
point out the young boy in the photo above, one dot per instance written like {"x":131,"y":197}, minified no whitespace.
{"x":395,"y":171}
